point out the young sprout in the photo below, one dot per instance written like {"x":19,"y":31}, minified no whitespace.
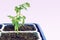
{"x":19,"y":17}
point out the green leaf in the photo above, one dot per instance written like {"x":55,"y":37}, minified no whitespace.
{"x":24,"y":17}
{"x":10,"y":16}
{"x":20,"y":7}
{"x":27,"y":4}
{"x":18,"y":18}
{"x":13,"y":22}
{"x":23,"y":6}
{"x":17,"y":9}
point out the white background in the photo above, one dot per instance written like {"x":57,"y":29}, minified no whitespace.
{"x":44,"y":12}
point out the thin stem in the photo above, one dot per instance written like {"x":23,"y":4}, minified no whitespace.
{"x":15,"y":28}
{"x":23,"y":21}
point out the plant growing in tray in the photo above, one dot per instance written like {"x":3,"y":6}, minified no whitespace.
{"x":18,"y":30}
{"x":19,"y":17}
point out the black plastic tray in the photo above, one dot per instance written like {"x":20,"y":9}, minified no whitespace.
{"x":37,"y":26}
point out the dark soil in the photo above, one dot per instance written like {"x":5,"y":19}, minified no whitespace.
{"x":22,"y":28}
{"x":20,"y":36}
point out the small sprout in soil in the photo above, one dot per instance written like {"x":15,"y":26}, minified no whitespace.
{"x":19,"y":17}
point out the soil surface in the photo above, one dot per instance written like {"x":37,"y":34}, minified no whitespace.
{"x":20,"y":36}
{"x":22,"y":28}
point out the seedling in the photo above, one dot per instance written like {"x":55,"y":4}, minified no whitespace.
{"x":19,"y":17}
